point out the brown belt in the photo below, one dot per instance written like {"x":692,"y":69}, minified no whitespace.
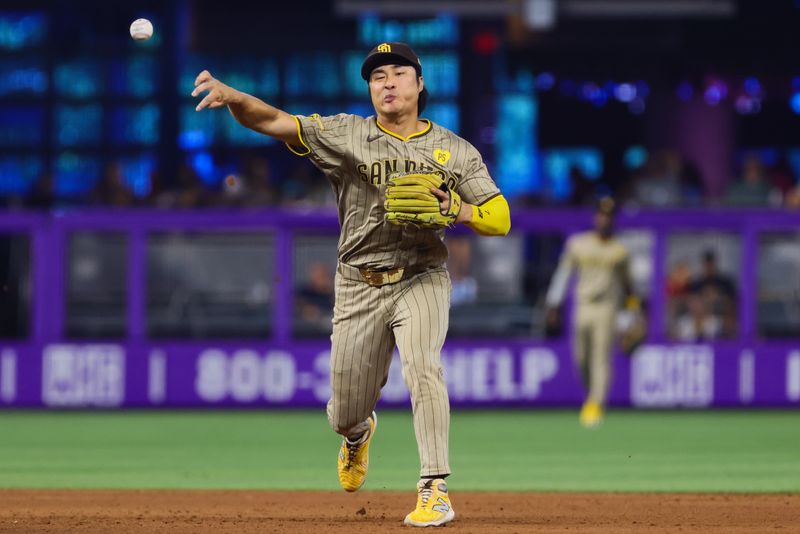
{"x":381,"y":278}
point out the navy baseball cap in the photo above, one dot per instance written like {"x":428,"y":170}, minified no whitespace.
{"x":390,"y":54}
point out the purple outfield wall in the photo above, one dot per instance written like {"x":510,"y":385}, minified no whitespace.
{"x":64,"y":375}
{"x":50,"y":371}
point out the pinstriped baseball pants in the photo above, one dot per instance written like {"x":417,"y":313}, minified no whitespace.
{"x":367,"y":323}
{"x":592,"y":343}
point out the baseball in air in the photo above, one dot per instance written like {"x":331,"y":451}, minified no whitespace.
{"x":141,"y":29}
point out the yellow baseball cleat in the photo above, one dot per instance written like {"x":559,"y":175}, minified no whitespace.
{"x":354,"y":459}
{"x":591,"y":414}
{"x":433,"y":505}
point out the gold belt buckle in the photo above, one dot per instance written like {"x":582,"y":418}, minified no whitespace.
{"x":381,"y":278}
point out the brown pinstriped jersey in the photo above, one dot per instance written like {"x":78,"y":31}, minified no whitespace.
{"x":602,"y":267}
{"x":358,"y":155}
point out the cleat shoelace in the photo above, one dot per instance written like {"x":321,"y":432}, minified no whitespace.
{"x":352,"y":451}
{"x":425,"y":495}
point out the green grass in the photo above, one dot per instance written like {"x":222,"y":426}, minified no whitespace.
{"x":513,"y":450}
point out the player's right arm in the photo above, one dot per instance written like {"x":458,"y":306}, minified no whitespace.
{"x":560,"y":281}
{"x":558,"y":285}
{"x":248,"y":110}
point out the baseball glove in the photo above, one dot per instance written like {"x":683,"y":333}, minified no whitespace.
{"x":409,"y":201}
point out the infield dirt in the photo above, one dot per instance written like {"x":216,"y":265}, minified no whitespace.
{"x":243,"y":512}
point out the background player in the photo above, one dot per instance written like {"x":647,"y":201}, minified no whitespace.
{"x":602,"y":263}
{"x":391,"y":285}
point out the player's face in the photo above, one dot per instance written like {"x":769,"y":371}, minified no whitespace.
{"x":395,"y":89}
{"x":604,"y":224}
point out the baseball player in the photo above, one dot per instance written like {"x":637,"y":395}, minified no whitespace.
{"x":399,"y":181}
{"x":603,"y":281}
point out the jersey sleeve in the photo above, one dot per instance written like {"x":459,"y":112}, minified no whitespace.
{"x":559,"y":283}
{"x":325,"y":140}
{"x":476,"y":186}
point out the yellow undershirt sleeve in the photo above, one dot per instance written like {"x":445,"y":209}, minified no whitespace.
{"x":491,"y":218}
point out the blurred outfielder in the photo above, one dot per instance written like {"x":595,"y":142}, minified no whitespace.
{"x":399,"y":182}
{"x":602,"y":264}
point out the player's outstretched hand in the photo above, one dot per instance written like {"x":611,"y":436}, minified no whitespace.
{"x":218,"y":95}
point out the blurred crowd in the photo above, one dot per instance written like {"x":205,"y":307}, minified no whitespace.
{"x":253,"y":184}
{"x":663,"y":180}
{"x":701,"y":306}
{"x":666,"y":179}
{"x":314,"y":299}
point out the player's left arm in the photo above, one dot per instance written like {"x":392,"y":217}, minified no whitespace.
{"x":631,"y":321}
{"x":632,"y":301}
{"x":492,"y":218}
{"x":483,"y":207}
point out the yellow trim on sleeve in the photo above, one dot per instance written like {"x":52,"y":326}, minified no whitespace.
{"x":492,"y":218}
{"x":415,"y":134}
{"x":300,"y":137}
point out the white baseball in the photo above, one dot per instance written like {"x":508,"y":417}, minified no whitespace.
{"x":141,"y":29}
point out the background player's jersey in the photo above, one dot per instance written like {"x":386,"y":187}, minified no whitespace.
{"x":602,"y":270}
{"x":358,"y":155}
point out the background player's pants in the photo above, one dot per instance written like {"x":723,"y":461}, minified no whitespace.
{"x":367,"y":322}
{"x":592,"y":344}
